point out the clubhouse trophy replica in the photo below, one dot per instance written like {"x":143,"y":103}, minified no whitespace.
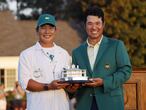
{"x":74,"y":75}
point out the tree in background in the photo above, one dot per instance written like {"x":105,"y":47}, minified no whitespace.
{"x":51,"y":6}
{"x":125,"y":19}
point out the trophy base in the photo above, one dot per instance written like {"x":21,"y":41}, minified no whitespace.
{"x":75,"y":80}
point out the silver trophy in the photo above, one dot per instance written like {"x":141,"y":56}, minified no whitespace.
{"x":74,"y":75}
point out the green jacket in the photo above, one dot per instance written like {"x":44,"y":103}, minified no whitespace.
{"x":113,"y":65}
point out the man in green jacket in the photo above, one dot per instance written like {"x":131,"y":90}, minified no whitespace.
{"x":107,"y":63}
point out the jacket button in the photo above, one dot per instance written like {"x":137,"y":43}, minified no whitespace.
{"x":91,"y":95}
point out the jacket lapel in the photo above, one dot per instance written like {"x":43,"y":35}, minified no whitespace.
{"x":103,"y":46}
{"x":85,"y":55}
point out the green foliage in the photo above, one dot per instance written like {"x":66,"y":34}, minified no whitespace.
{"x":126,"y":20}
{"x":47,"y":6}
{"x":51,"y":6}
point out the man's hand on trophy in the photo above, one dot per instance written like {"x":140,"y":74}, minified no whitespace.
{"x":57,"y":85}
{"x":94,"y":82}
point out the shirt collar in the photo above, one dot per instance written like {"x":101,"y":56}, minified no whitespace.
{"x":39,"y":47}
{"x":97,"y":44}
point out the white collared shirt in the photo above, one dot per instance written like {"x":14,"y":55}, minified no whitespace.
{"x":35,"y":63}
{"x":92,"y":52}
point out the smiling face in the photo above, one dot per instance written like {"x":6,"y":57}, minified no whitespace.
{"x":46,"y":35}
{"x":94,"y":27}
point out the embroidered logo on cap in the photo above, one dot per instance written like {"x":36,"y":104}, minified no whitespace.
{"x":47,"y":18}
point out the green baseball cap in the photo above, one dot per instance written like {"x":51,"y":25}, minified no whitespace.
{"x":46,"y":19}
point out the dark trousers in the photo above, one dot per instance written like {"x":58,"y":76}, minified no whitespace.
{"x":94,"y":104}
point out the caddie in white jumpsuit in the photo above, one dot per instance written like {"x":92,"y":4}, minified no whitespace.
{"x":40,"y":69}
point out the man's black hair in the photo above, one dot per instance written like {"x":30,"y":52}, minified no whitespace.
{"x":95,"y":11}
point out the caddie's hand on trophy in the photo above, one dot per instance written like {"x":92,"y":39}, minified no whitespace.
{"x":73,"y":87}
{"x":57,"y":85}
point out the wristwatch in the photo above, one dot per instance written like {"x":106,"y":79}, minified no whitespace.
{"x":45,"y":87}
